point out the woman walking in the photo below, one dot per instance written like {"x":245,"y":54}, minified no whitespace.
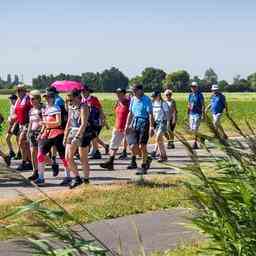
{"x":172,"y":120}
{"x":161,"y":115}
{"x":34,"y":129}
{"x":51,"y":135}
{"x":78,"y":136}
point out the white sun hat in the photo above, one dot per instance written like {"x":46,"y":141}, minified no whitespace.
{"x":215,"y":87}
{"x":194,"y":84}
{"x":167,"y":91}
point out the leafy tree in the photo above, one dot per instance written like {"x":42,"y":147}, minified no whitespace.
{"x":9,"y":79}
{"x":16,"y":80}
{"x":210,"y":76}
{"x":111,"y":79}
{"x":177,"y":81}
{"x":152,"y":79}
{"x":223,"y":85}
{"x":252,"y":81}
{"x":135,"y":80}
{"x":92,"y":80}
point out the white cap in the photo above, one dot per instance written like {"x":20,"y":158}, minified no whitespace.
{"x":194,"y":84}
{"x":215,"y":87}
{"x":167,"y":91}
{"x":35,"y":93}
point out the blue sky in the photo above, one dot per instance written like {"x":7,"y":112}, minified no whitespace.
{"x":78,"y":36}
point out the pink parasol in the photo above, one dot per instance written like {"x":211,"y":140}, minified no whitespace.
{"x":67,"y":86}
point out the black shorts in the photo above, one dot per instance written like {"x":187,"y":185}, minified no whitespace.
{"x":89,"y":135}
{"x":45,"y":145}
{"x":32,"y":138}
{"x":140,"y":132}
{"x":97,"y":130}
{"x":14,"y":129}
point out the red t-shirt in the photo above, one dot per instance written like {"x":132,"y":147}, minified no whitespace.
{"x":92,"y":101}
{"x":122,"y":111}
{"x":22,"y":108}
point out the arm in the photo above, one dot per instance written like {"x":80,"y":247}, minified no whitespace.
{"x":84,"y":121}
{"x":128,"y":122}
{"x":66,"y":129}
{"x":54,"y":124}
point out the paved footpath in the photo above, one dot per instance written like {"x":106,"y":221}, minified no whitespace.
{"x":160,"y":231}
{"x":12,"y":187}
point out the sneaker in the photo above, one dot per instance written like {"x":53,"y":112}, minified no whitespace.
{"x":123,"y":156}
{"x":18,"y":156}
{"x":107,"y":165}
{"x":170,"y":145}
{"x":7,"y":160}
{"x":55,"y":169}
{"x":25,"y":167}
{"x":34,"y":176}
{"x":163,"y":159}
{"x":86,"y":181}
{"x":75,"y":182}
{"x":133,"y":165}
{"x":11,"y":154}
{"x":66,"y":182}
{"x":107,"y":149}
{"x":195,"y":146}
{"x":153,"y":154}
{"x":39,"y":182}
{"x":96,"y":155}
{"x":146,"y":165}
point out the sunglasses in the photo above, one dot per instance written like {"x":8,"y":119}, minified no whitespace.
{"x":168,"y":94}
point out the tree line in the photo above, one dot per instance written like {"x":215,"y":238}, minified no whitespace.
{"x":151,"y":78}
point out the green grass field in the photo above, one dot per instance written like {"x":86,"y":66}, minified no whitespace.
{"x":241,"y":105}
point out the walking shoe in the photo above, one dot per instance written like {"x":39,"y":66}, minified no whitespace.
{"x":7,"y":160}
{"x":25,"y":167}
{"x":107,"y":149}
{"x":55,"y":169}
{"x":146,"y":166}
{"x":86,"y":181}
{"x":132,"y":165}
{"x":163,"y":159}
{"x":96,"y":155}
{"x":107,"y":165}
{"x":153,"y":154}
{"x":34,"y":176}
{"x":18,"y":156}
{"x":75,"y":182}
{"x":39,"y":182}
{"x":195,"y":146}
{"x":66,"y":182}
{"x":123,"y":156}
{"x":11,"y":154}
{"x":170,"y":145}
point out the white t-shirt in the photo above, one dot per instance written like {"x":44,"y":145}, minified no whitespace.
{"x":160,"y":110}
{"x":12,"y":113}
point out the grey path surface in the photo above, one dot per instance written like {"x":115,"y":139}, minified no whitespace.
{"x":159,"y":231}
{"x":10,"y":188}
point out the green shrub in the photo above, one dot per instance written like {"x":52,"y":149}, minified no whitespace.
{"x":227,"y":201}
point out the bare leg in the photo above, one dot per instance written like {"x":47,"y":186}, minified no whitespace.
{"x":71,"y":163}
{"x":9,"y":142}
{"x":83,"y":152}
{"x":34,"y":152}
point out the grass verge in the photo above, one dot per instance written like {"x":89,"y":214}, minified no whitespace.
{"x":95,"y":203}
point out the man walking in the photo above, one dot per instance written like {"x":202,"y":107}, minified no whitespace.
{"x":217,"y":105}
{"x":118,"y":134}
{"x":140,"y":123}
{"x":196,"y":109}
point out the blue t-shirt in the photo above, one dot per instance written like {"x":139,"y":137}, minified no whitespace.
{"x":196,"y":101}
{"x":141,"y":107}
{"x":218,"y":103}
{"x":59,"y":102}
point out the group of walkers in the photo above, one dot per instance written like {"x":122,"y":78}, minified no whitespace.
{"x":45,"y":125}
